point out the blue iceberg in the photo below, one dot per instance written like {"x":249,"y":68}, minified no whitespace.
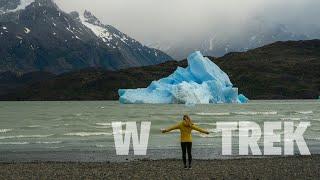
{"x":202,"y":82}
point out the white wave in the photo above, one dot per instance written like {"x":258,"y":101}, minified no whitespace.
{"x":101,"y":146}
{"x":14,"y":143}
{"x":58,"y":125}
{"x":48,"y":142}
{"x":205,"y":135}
{"x":83,"y":134}
{"x":315,"y":119}
{"x":204,"y":123}
{"x":103,"y":124}
{"x":213,"y":114}
{"x":304,"y":112}
{"x":22,"y":143}
{"x":33,"y":126}
{"x":256,"y":113}
{"x":206,"y":144}
{"x":102,"y":127}
{"x":5,"y":130}
{"x":290,"y":119}
{"x":313,"y":138}
{"x":55,"y":147}
{"x":238,"y":113}
{"x":214,"y":130}
{"x":26,"y":136}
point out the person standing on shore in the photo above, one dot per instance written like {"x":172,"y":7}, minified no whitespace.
{"x":185,"y":127}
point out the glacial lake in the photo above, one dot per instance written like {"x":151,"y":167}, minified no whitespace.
{"x":85,"y":126}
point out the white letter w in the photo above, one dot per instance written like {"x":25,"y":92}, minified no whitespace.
{"x":123,"y":145}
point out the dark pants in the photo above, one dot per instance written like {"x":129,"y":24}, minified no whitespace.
{"x":186,"y":147}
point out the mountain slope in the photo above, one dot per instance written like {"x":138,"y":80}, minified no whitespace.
{"x":282,"y":70}
{"x":41,"y":37}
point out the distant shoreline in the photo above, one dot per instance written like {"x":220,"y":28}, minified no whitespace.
{"x":294,"y":167}
{"x":109,"y":156}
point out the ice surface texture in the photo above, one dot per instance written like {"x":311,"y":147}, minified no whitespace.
{"x":202,"y":82}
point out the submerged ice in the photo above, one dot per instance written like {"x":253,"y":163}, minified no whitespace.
{"x":202,"y":82}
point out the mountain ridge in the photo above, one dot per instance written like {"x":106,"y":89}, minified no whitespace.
{"x":41,"y":37}
{"x":281,"y":70}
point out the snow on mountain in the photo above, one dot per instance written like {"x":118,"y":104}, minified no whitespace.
{"x":115,"y":38}
{"x":96,"y":29}
{"x":23,"y":4}
{"x":27,"y":30}
{"x":40,"y":36}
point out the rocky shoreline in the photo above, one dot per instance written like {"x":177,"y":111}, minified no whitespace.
{"x":295,"y":167}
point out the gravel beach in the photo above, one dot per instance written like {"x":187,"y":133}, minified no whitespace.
{"x":297,"y":167}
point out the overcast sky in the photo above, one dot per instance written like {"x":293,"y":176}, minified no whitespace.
{"x":152,"y":21}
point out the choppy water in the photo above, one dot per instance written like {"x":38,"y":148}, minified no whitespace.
{"x":86,"y":126}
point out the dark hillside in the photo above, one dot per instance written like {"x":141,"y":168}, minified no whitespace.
{"x":282,"y":70}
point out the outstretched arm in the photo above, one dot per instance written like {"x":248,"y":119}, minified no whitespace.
{"x":194,"y":127}
{"x":171,"y":128}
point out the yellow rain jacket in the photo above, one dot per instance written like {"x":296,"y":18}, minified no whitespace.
{"x":185,"y":131}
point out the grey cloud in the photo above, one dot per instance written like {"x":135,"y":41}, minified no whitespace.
{"x":173,"y":21}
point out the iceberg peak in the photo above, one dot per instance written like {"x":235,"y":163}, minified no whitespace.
{"x":202,"y":82}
